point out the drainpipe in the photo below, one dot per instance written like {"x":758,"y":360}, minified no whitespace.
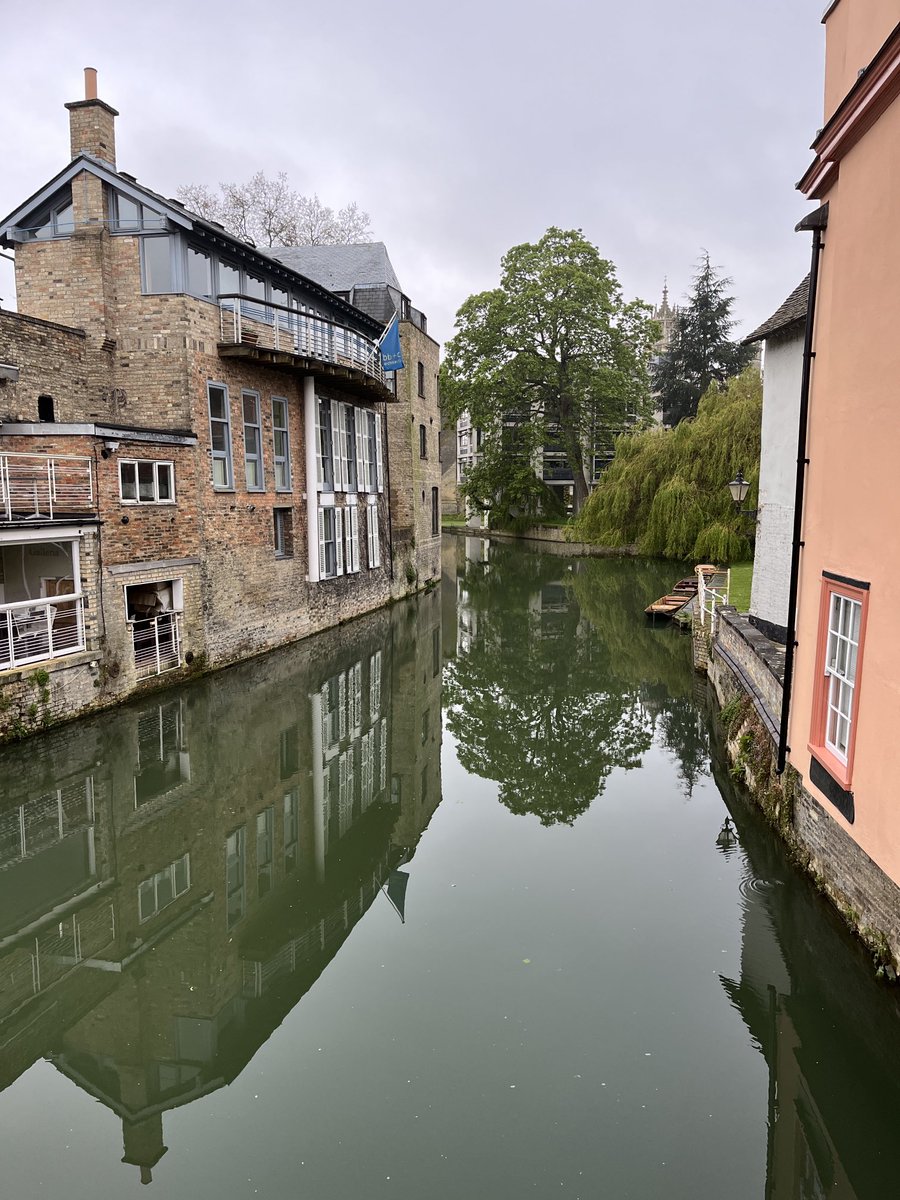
{"x":312,"y":471}
{"x":817,"y":222}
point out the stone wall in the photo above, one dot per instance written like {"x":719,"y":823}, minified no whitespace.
{"x":745,"y":676}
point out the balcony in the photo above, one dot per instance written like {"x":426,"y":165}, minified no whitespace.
{"x":33,"y":631}
{"x":257,"y":331}
{"x":38,"y":487}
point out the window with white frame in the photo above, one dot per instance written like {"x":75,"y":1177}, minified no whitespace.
{"x":373,"y":540}
{"x":161,"y":889}
{"x":220,"y":435}
{"x":374,"y":686}
{"x":145,"y":481}
{"x":281,"y":444}
{"x":331,"y":542}
{"x":253,"y":464}
{"x":235,"y":883}
{"x":841,"y":657}
{"x":351,"y":537}
{"x":283,"y":521}
{"x":352,"y":478}
{"x":341,"y":453}
{"x":325,"y":446}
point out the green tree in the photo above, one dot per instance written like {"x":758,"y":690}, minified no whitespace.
{"x":701,"y":351}
{"x":554,"y":355}
{"x":666,"y":490}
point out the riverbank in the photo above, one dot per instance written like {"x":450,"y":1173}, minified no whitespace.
{"x":550,"y":539}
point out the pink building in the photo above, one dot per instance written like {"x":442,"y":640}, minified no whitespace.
{"x":845,"y":700}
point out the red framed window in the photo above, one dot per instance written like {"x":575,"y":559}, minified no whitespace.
{"x":839,"y":657}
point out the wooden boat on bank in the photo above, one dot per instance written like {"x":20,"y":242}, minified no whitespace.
{"x":681,"y":594}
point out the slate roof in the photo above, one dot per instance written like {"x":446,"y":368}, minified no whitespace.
{"x":792,"y":312}
{"x":341,"y":268}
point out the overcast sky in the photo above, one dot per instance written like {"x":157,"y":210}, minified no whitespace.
{"x":658,"y":127}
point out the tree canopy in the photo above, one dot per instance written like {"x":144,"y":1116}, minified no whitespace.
{"x":667,"y":489}
{"x":270,"y":212}
{"x":552,"y":356}
{"x":701,"y":351}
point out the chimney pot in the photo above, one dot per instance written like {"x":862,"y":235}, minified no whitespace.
{"x":90,"y":83}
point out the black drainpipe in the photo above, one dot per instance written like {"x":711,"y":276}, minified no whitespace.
{"x":816,"y":221}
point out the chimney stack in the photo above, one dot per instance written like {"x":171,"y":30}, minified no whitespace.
{"x":92,"y":123}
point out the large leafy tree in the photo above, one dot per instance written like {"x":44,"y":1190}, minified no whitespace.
{"x":701,"y":351}
{"x":270,"y":212}
{"x":554,"y":355}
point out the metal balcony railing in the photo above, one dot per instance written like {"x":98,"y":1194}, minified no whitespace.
{"x":157,"y":644}
{"x":34,"y":630}
{"x":44,"y":485}
{"x":246,"y":321}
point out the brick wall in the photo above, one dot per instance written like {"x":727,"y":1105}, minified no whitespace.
{"x":52,"y":360}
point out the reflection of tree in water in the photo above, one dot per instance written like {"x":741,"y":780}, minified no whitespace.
{"x":548,"y":703}
{"x":654,"y":659}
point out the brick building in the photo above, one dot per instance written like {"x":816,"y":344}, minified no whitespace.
{"x":199,"y":448}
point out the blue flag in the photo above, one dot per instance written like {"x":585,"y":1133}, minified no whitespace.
{"x":391,"y":355}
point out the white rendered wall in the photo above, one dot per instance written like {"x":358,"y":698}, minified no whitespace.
{"x":777,"y":477}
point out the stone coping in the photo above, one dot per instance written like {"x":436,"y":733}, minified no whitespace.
{"x":770,"y":653}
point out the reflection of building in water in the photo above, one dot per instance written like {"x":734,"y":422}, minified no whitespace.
{"x":801,"y":992}
{"x":175,"y":877}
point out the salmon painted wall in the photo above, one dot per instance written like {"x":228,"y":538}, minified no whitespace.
{"x":853,"y":486}
{"x":854,"y":32}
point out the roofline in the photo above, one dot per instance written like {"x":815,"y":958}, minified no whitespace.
{"x":183,"y":218}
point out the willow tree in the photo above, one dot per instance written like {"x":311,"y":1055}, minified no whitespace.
{"x":554,"y":355}
{"x":667,"y":490}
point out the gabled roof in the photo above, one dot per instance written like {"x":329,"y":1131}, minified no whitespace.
{"x":180,"y":216}
{"x":341,"y":268}
{"x":792,"y":312}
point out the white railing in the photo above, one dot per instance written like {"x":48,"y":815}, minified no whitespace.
{"x":712,"y":590}
{"x":157,"y":644}
{"x":246,"y":321}
{"x":33,"y":630}
{"x":44,"y":485}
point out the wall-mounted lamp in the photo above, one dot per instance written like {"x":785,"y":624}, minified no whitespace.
{"x":739,"y":487}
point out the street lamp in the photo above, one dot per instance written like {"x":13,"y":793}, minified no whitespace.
{"x":739,"y":487}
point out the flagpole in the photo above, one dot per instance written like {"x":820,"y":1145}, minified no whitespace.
{"x":385,"y":332}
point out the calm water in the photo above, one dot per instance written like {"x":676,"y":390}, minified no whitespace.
{"x":433,"y":906}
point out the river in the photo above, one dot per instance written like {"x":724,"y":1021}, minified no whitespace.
{"x":439,"y":904}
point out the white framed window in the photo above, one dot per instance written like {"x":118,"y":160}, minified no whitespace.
{"x":283,"y":521}
{"x":324,"y":446}
{"x":374,"y":687}
{"x":342,"y":472}
{"x":253,"y":463}
{"x":352,"y":476}
{"x":331,"y":542}
{"x":235,"y":882}
{"x":351,"y":535}
{"x":360,"y":428}
{"x":220,"y":436}
{"x":146,"y":481}
{"x":372,"y":537}
{"x":281,"y":444}
{"x":163,"y":888}
{"x":841,"y":657}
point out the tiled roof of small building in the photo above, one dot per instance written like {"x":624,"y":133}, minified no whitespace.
{"x":791,"y":312}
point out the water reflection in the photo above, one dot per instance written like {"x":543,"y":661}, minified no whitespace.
{"x":174,"y":877}
{"x":829,"y":1033}
{"x":558,"y":678}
